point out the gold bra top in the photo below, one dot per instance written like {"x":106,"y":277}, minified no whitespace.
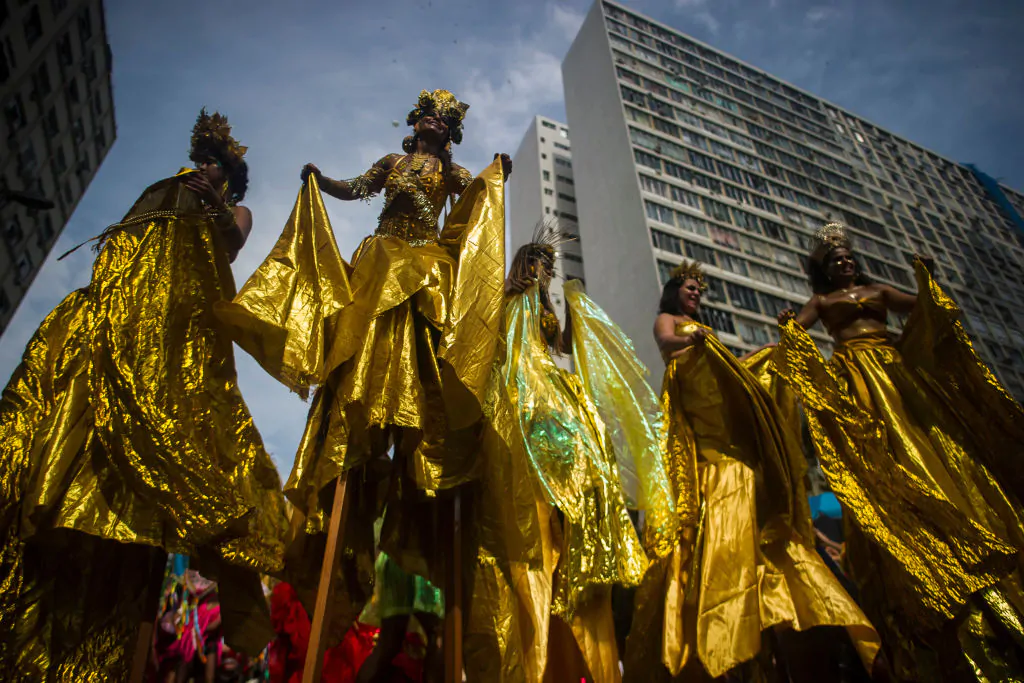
{"x":841,"y":312}
{"x":413,"y":202}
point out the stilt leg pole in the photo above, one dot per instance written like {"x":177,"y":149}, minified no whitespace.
{"x":453,"y":596}
{"x":144,"y":643}
{"x":313,"y":667}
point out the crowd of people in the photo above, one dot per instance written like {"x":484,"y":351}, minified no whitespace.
{"x":583,"y":525}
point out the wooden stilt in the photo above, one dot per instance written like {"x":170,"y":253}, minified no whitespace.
{"x":453,"y":595}
{"x":144,"y":643}
{"x":313,"y":667}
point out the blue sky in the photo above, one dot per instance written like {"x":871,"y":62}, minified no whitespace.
{"x":324,"y":81}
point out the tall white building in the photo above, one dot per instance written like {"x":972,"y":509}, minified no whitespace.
{"x":681,"y":150}
{"x":542,"y":189}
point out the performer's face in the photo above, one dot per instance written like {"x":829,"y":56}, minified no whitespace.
{"x":543,"y":270}
{"x":431,"y":129}
{"x":689,"y":297}
{"x":213,"y":170}
{"x":841,"y":268}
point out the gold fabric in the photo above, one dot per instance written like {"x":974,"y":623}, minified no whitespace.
{"x":745,"y":560}
{"x":901,"y":438}
{"x":123,"y":427}
{"x":280,"y":315}
{"x":538,"y":584}
{"x":615,"y":379}
{"x":416,"y":315}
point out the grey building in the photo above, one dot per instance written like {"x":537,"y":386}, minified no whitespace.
{"x":542,"y":189}
{"x":683,"y":151}
{"x":56,"y":129}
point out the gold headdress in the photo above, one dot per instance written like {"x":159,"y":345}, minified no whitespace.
{"x":690,"y":270}
{"x":211,"y":137}
{"x":440,"y":103}
{"x":828,"y":237}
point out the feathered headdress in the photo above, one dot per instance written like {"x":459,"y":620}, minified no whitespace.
{"x":442,"y":104}
{"x":211,"y":137}
{"x":547,"y":237}
{"x":828,"y":237}
{"x":690,"y":270}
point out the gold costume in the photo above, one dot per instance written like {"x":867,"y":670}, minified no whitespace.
{"x":123,"y":436}
{"x":399,"y":344}
{"x":745,"y":561}
{"x":921,"y":445}
{"x":563,"y":443}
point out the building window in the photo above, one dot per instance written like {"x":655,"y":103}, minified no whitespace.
{"x":65,"y":54}
{"x":564,"y":133}
{"x":701,"y":253}
{"x":720,"y":321}
{"x":560,"y":161}
{"x":89,"y":66}
{"x":743,"y":297}
{"x":33,"y":27}
{"x":85,"y":25}
{"x":78,"y":131}
{"x":27,"y":157}
{"x":666,"y":242}
{"x":565,"y":197}
{"x":546,"y":175}
{"x":41,"y":81}
{"x":22,"y":268}
{"x":548,"y":192}
{"x":45,"y":232}
{"x":73,"y":93}
{"x":58,"y":6}
{"x":559,"y":145}
{"x":548,"y":124}
{"x":60,"y":161}
{"x":564,"y":179}
{"x":14,"y":112}
{"x":13,"y":232}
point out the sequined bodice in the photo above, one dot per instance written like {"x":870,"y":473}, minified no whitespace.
{"x":413,"y":202}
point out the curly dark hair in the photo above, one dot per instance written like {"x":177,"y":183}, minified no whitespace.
{"x":819,"y":279}
{"x":238,"y":182}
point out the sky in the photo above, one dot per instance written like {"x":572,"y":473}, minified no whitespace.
{"x":325,"y":82}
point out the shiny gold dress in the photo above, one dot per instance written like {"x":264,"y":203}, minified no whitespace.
{"x":399,"y":345}
{"x":123,"y":436}
{"x":921,"y":444}
{"x":745,"y":561}
{"x":552,"y":529}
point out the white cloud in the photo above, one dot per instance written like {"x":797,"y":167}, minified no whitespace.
{"x":567,"y":20}
{"x":816,"y":15}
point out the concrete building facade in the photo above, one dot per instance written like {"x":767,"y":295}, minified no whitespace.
{"x":57,"y":127}
{"x":684,"y":151}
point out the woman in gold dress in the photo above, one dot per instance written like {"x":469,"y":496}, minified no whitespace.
{"x":123,"y":436}
{"x":744,"y":565}
{"x":921,"y":444}
{"x":399,"y":344}
{"x":554,"y":534}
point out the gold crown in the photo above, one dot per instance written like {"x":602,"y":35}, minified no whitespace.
{"x":690,"y":270}
{"x":828,"y":237}
{"x":440,"y":103}
{"x":211,"y":136}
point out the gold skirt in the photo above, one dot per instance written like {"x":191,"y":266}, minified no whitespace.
{"x":123,"y":436}
{"x":721,"y":588}
{"x":929,"y":441}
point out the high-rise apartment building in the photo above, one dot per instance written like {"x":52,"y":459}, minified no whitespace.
{"x":683,"y":151}
{"x":542,"y":189}
{"x":57,"y":126}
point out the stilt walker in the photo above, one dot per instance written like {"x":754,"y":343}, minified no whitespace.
{"x":399,"y":346}
{"x":123,"y":436}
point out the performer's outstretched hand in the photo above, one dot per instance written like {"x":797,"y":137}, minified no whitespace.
{"x":786,"y":315}
{"x":506,"y":164}
{"x":311,"y":168}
